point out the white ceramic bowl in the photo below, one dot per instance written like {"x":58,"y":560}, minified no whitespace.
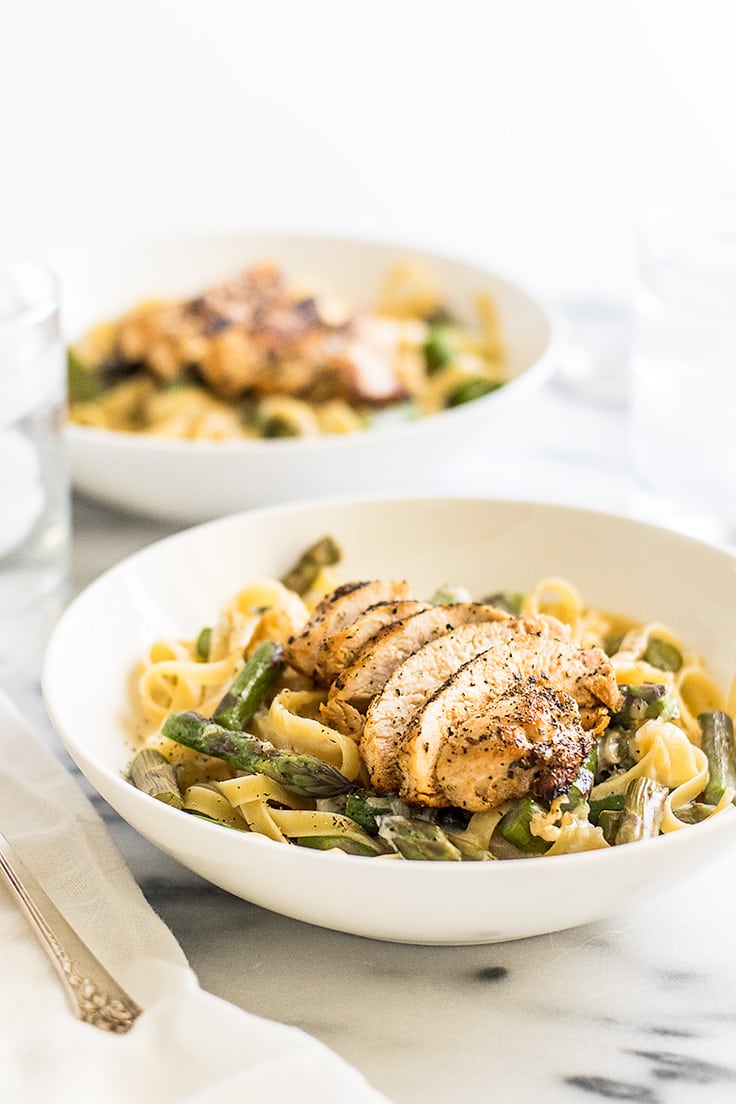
{"x":196,"y":480}
{"x":174,"y":587}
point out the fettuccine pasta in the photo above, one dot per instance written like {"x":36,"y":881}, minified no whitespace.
{"x":254,"y":358}
{"x":651,"y":755}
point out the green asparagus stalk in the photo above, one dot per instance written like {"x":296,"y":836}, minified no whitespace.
{"x":660,"y":653}
{"x":507,"y":600}
{"x":583,"y":784}
{"x":342,"y":843}
{"x":470,"y":389}
{"x":258,"y":676}
{"x":323,"y":553}
{"x":614,"y":803}
{"x":614,"y":751}
{"x":695,"y":812}
{"x":152,"y":773}
{"x":645,"y":702}
{"x":449,"y":595}
{"x":300,"y":774}
{"x":469,"y":851}
{"x":642,"y":811}
{"x":417,"y":839}
{"x":718,"y":745}
{"x":515,"y":827}
{"x":84,"y":383}
{"x":608,"y":822}
{"x":202,"y":646}
{"x":365,"y":808}
{"x":438,"y":350}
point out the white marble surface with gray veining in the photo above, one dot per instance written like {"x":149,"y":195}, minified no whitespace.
{"x":640,"y":1007}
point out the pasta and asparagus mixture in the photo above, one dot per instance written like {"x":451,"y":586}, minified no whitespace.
{"x":360,"y":719}
{"x":256,"y":358}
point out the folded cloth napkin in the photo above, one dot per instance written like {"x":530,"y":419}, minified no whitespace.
{"x":188,"y":1046}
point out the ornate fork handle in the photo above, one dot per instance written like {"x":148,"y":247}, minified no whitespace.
{"x":93,"y":993}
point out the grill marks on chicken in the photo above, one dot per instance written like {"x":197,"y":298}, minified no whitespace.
{"x":338,"y":650}
{"x":458,"y":704}
{"x":353,"y":690}
{"x":414,"y":681}
{"x":252,"y":336}
{"x":458,"y":721}
{"x":529,"y":738}
{"x":331,"y":616}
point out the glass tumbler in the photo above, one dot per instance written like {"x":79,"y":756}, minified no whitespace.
{"x":34,"y":484}
{"x":683,"y":369}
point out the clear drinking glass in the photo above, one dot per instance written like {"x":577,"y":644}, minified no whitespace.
{"x":683,"y":400}
{"x":34,"y":484}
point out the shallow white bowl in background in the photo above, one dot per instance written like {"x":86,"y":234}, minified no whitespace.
{"x":196,"y":480}
{"x":177,"y":585}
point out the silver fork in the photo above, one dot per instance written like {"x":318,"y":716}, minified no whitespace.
{"x":94,"y":995}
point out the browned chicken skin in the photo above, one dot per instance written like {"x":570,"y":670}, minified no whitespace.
{"x":251,"y":336}
{"x":413,"y":682}
{"x":336,"y":611}
{"x":452,"y":724}
{"x":353,"y":690}
{"x":530,"y":738}
{"x":455,"y":705}
{"x":338,"y":650}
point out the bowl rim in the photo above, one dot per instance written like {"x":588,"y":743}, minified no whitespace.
{"x":725,"y":821}
{"x":537,"y":373}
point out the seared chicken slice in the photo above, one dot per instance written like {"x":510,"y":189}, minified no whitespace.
{"x":352,"y":691}
{"x":530,"y":738}
{"x":412,"y":684}
{"x":333,"y":614}
{"x":341,"y":648}
{"x":584,"y":674}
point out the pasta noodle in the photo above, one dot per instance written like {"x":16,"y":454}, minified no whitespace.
{"x":253,"y":358}
{"x":664,"y":747}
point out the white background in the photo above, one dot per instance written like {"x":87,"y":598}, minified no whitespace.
{"x":527,"y":134}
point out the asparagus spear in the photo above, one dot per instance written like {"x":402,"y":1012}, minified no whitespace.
{"x":342,"y":843}
{"x":660,"y":653}
{"x":323,"y":553}
{"x":152,"y":773}
{"x":507,"y":600}
{"x":614,"y":751}
{"x":438,"y":350}
{"x":449,"y":595}
{"x":695,"y":812}
{"x":258,"y":676}
{"x":470,"y":389}
{"x":417,"y":839}
{"x":365,"y":808}
{"x":614,"y":803}
{"x":583,"y":784}
{"x":84,"y":383}
{"x":612,"y":643}
{"x":469,"y":851}
{"x":718,"y":745}
{"x":608,"y":822}
{"x":642,"y":811}
{"x":646,"y":701}
{"x":514,"y":827}
{"x":300,"y":774}
{"x":202,"y":646}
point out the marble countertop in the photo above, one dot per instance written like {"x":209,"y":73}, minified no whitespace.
{"x":640,"y":1007}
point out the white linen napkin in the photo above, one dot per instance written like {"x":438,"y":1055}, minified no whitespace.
{"x":188,"y":1046}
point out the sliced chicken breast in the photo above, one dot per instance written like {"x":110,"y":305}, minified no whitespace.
{"x":412,"y":684}
{"x":584,"y":674}
{"x":331,"y":616}
{"x":529,"y":739}
{"x":352,"y":691}
{"x":340,"y":649}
